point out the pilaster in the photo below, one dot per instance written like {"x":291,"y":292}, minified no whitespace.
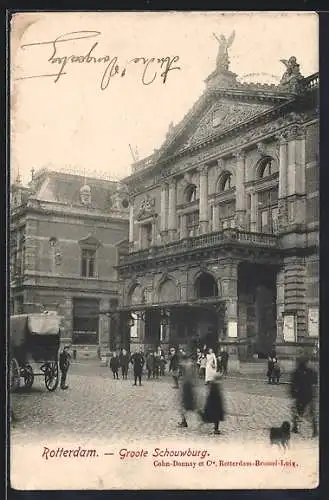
{"x":203,"y":202}
{"x":240,"y":195}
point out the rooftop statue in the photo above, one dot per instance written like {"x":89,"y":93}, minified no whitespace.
{"x":222,"y":61}
{"x":292,"y":75}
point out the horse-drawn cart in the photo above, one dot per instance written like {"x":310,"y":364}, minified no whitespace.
{"x":34,"y":340}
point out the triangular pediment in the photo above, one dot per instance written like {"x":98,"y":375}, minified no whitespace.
{"x":90,"y":241}
{"x":218,"y":111}
{"x":223,"y":116}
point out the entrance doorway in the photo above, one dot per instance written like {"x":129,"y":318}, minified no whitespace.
{"x":257,"y":307}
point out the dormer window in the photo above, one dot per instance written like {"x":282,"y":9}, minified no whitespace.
{"x":85,"y":195}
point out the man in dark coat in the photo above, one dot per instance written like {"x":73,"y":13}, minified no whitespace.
{"x":174,"y":366}
{"x":114,"y":365}
{"x":149,"y":364}
{"x":124,"y":363}
{"x":188,"y":389}
{"x":64,"y":364}
{"x":303,"y":389}
{"x":224,"y":360}
{"x":137,"y":359}
{"x":214,"y":411}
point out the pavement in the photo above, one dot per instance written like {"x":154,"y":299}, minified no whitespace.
{"x":97,"y":406}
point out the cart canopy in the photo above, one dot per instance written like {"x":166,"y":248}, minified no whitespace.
{"x":44,"y":324}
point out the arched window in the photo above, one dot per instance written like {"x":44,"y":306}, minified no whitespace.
{"x":206,"y":286}
{"x":225,"y":182}
{"x":190,"y":193}
{"x":265,"y":167}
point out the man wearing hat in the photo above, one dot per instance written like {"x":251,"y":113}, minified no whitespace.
{"x":64,"y":364}
{"x":303,"y":388}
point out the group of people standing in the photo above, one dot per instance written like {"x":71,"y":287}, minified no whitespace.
{"x":155,"y":364}
{"x":208,"y":364}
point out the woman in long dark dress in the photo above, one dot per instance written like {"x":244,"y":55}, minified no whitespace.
{"x":214,"y":411}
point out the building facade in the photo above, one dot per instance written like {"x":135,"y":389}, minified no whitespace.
{"x":224,"y":222}
{"x":66,"y":233}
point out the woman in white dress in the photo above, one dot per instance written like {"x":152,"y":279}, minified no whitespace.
{"x":211,"y":366}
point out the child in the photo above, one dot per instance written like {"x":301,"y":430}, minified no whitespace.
{"x":114,"y":365}
{"x":276,"y":372}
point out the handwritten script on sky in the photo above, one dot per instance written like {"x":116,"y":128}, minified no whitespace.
{"x":151,"y":68}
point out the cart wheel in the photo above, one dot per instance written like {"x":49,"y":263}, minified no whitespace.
{"x":51,"y":376}
{"x":14,"y":375}
{"x":28,"y":376}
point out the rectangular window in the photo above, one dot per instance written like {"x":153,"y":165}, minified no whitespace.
{"x":88,"y":259}
{"x":192,"y":223}
{"x":264,"y":221}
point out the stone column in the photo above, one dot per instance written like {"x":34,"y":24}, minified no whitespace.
{"x":216,"y":220}
{"x":279,"y":305}
{"x":104,"y":325}
{"x":296,"y":175}
{"x":164,"y":208}
{"x":67,"y":320}
{"x":203,"y":202}
{"x":240,"y":195}
{"x":172,"y":217}
{"x":253,"y":212}
{"x":229,"y":281}
{"x":183,"y":228}
{"x":283,"y":179}
{"x":131,"y":224}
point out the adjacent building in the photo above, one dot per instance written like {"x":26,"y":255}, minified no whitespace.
{"x":66,"y":233}
{"x":224,"y":222}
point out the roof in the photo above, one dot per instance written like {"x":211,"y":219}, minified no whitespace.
{"x":65,"y":188}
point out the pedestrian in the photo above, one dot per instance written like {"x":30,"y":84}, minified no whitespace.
{"x":156,"y":365}
{"x":303,"y":391}
{"x":276,"y":371}
{"x":174,"y":366}
{"x":114,"y":365}
{"x":219,"y":367}
{"x":270,"y":366}
{"x":124,"y":363}
{"x":214,"y":411}
{"x":64,"y":365}
{"x":203,"y":362}
{"x":163,"y":363}
{"x":224,"y":360}
{"x":211,"y":365}
{"x":149,"y":364}
{"x":198,"y":357}
{"x":188,"y":401}
{"x":137,"y":360}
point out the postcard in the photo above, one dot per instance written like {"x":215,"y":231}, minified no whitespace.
{"x":164,"y":250}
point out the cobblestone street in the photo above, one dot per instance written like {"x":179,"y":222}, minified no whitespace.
{"x":96,"y":406}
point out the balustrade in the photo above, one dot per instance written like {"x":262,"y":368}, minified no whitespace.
{"x":202,"y":241}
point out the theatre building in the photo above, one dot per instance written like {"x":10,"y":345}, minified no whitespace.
{"x":66,"y":232}
{"x":224,"y":222}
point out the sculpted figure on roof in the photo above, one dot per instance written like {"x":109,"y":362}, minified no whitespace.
{"x":222,"y":61}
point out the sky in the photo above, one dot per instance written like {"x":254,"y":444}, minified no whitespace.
{"x":83,"y":122}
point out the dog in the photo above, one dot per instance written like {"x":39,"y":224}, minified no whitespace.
{"x":280,"y":435}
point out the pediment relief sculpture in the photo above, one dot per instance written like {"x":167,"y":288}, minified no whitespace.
{"x":224,"y":116}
